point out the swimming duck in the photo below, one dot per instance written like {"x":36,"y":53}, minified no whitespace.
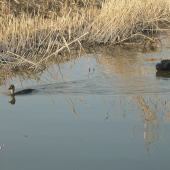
{"x":163,"y":65}
{"x":26,"y":91}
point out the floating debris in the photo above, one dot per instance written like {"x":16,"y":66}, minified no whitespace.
{"x":1,"y":146}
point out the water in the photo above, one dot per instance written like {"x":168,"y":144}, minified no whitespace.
{"x":114,"y":115}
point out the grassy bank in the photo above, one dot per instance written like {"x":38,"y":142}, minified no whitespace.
{"x":32,"y":32}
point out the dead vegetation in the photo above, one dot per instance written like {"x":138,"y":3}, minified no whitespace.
{"x":34,"y":32}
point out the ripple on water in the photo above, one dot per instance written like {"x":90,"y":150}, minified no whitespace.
{"x":107,"y":85}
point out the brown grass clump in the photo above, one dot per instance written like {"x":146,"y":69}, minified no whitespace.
{"x":29,"y":29}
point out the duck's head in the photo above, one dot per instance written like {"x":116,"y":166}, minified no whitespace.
{"x":12,"y":88}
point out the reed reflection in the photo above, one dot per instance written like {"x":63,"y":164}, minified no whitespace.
{"x":154,"y":109}
{"x":120,"y":73}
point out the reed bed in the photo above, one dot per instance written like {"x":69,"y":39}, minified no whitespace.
{"x":33,"y":32}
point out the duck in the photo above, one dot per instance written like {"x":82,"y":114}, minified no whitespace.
{"x":164,"y":65}
{"x":22,"y":92}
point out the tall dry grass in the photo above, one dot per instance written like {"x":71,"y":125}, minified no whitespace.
{"x":30,"y":29}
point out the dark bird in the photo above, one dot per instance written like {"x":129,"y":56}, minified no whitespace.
{"x":26,"y":91}
{"x":163,"y":65}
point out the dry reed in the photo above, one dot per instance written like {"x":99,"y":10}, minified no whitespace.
{"x":43,"y":28}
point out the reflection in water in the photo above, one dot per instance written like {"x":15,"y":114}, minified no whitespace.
{"x":152,"y":108}
{"x":149,"y":118}
{"x":12,"y":100}
{"x":108,"y":115}
{"x":163,"y":74}
{"x":71,"y":104}
{"x":123,"y":79}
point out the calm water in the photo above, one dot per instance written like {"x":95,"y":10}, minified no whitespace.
{"x":115,"y":115}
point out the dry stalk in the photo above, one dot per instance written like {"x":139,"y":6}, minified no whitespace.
{"x":31,"y":33}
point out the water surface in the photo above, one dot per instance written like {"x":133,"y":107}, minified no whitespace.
{"x":108,"y":110}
